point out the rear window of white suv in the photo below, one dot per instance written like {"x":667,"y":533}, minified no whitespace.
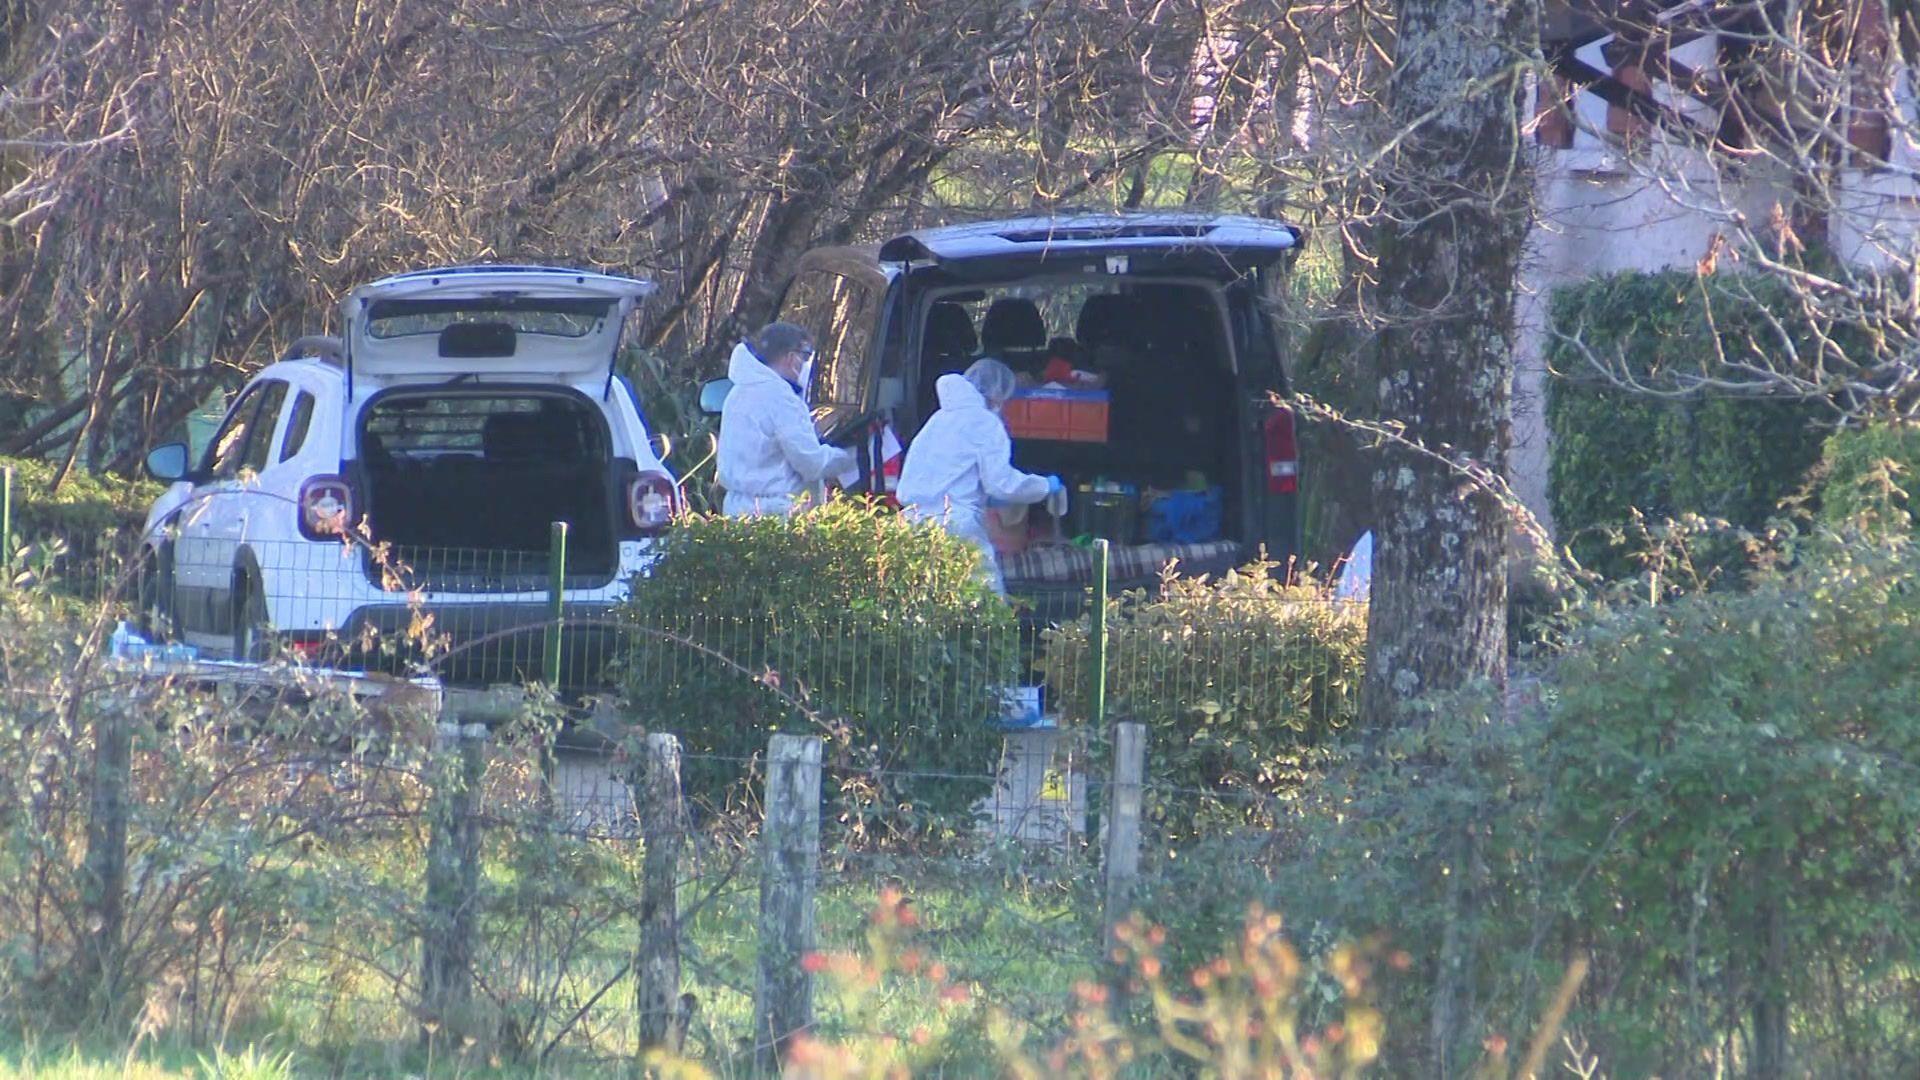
{"x":428,"y":426}
{"x":554,"y":317}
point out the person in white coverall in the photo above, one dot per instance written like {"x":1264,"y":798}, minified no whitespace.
{"x":769,"y":454}
{"x":964,"y":457}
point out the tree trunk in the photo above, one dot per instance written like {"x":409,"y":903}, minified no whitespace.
{"x":1457,"y":193}
{"x":1457,"y":213}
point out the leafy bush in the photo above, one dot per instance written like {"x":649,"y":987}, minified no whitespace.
{"x":1853,"y":456}
{"x":1736,"y":779}
{"x":86,"y":505}
{"x":1237,"y":679}
{"x":847,"y":622}
{"x":1714,"y":798}
{"x":1615,"y":451}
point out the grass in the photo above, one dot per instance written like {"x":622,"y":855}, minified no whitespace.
{"x":1021,"y":939}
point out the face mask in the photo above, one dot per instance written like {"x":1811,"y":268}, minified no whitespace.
{"x":806,"y":376}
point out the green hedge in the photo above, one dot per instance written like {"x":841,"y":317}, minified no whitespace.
{"x":87,"y":504}
{"x":1615,"y":451}
{"x":1238,"y":680}
{"x":1852,"y":465}
{"x":886,"y":631}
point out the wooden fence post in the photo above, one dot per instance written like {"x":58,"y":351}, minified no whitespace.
{"x":663,"y":1014}
{"x":450,"y":940}
{"x":1121,"y":860}
{"x":106,"y":858}
{"x":790,"y":865}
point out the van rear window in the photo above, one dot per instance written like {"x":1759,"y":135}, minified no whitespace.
{"x":555,"y":317}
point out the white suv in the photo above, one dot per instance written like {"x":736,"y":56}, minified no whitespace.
{"x":411,"y":471}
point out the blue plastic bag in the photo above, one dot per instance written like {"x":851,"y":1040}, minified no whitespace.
{"x":1184,"y":517}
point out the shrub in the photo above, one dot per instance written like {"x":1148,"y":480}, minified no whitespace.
{"x":1735,"y":782}
{"x":1616,"y":451}
{"x":1237,"y":680}
{"x":1714,"y":799}
{"x":883,"y":630}
{"x":275,"y":843}
{"x":86,"y":505}
{"x":244,"y":821}
{"x":1852,"y":457}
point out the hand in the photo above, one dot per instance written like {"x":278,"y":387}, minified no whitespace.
{"x":1055,"y":486}
{"x":1057,"y":502}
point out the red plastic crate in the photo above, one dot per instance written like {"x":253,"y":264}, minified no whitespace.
{"x":1060,"y":415}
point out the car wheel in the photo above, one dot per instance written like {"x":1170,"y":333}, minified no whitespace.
{"x":252,"y":635}
{"x":156,"y":616}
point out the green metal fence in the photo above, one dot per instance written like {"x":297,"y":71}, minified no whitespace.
{"x":1187,"y":662}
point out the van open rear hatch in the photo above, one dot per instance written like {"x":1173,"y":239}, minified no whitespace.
{"x":1176,"y":452}
{"x":1216,"y":246}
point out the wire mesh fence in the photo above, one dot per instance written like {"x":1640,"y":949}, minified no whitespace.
{"x":1238,"y":680}
{"x":477,"y":616}
{"x":966,"y":763}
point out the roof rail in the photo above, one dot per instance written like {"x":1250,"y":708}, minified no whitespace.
{"x":319,"y":346}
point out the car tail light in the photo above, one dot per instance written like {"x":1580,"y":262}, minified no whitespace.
{"x":1283,"y":453}
{"x":326,"y":507}
{"x":651,"y":502}
{"x":307,"y":649}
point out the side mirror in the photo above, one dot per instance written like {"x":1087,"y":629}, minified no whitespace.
{"x":714,"y":394}
{"x":168,"y":462}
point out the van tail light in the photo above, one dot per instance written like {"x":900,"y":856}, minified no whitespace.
{"x":326,"y":507}
{"x":1283,"y":453}
{"x":651,"y":502}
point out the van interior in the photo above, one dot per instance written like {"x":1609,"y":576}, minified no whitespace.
{"x":449,"y":475}
{"x":1168,"y":478}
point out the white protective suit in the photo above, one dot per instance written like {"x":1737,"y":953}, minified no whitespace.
{"x":960,"y":459}
{"x":769,"y":453}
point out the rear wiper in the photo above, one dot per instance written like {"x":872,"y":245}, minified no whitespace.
{"x":460,"y":378}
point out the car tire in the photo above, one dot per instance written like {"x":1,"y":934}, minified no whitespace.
{"x":252,"y":634}
{"x":158,"y":617}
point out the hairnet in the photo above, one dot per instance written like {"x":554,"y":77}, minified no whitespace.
{"x":992,"y":378}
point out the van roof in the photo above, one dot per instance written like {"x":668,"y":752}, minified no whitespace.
{"x":1087,"y":234}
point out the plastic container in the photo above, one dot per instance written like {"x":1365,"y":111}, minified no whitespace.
{"x":1105,"y":510}
{"x":126,"y":643}
{"x":1057,"y":414}
{"x":1021,"y":708}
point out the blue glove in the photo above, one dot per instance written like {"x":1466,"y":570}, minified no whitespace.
{"x":1055,"y":486}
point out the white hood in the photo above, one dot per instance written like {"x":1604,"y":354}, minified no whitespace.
{"x":961,"y":458}
{"x":769,"y":452}
{"x":745,"y":369}
{"x":955,"y":392}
